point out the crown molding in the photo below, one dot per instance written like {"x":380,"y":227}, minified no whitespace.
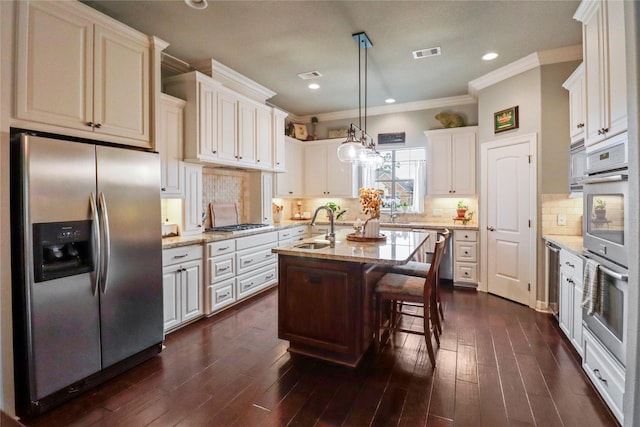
{"x":529,"y":62}
{"x":175,"y":65}
{"x":234,"y":80}
{"x":390,"y":109}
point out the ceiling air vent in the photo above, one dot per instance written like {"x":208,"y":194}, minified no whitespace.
{"x":309,"y":75}
{"x":425,"y":53}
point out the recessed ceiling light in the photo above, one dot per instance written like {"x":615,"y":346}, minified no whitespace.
{"x":389,"y":100}
{"x":489,"y":56}
{"x":314,"y":86}
{"x":197,"y":4}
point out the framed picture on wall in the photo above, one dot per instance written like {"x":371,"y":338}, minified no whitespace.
{"x":505,"y":120}
{"x":301,"y":131}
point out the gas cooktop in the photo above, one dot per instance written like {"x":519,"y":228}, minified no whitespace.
{"x":237,"y":228}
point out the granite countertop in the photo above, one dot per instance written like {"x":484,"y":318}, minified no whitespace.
{"x":207,"y":237}
{"x":571,"y":243}
{"x":398,"y":248}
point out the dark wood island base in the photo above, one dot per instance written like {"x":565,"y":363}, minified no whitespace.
{"x":325,"y":307}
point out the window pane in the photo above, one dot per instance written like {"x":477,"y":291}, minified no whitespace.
{"x":402,"y":179}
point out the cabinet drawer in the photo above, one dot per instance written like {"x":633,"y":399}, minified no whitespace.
{"x":466,"y":251}
{"x":300,"y":231}
{"x":465,"y":235}
{"x":466,"y":272}
{"x":285,"y":234}
{"x":256,"y":240}
{"x":571,"y":263}
{"x":255,"y":257}
{"x":256,"y":280}
{"x":221,"y":267}
{"x":605,"y":373}
{"x":221,"y":295}
{"x":220,"y":248}
{"x":182,"y":254}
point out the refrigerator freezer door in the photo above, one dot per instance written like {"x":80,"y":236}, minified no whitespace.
{"x":131,"y":302}
{"x":64,"y":340}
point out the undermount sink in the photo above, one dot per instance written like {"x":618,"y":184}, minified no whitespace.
{"x":312,"y":245}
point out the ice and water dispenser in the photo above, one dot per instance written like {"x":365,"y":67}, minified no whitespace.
{"x":61,"y":249}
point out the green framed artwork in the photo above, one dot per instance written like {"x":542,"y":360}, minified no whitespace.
{"x":505,"y":120}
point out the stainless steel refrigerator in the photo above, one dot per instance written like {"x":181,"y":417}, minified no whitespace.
{"x":86,"y":265}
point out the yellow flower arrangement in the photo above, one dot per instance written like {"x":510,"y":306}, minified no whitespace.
{"x":371,"y":201}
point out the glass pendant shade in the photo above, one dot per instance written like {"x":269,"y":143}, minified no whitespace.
{"x":350,"y":151}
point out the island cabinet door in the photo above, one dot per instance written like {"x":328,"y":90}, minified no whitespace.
{"x":321,"y":308}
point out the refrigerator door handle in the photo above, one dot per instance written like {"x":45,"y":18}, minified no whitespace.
{"x":102,"y":203}
{"x":96,"y":242}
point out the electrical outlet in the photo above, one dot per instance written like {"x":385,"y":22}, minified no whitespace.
{"x":562,"y":219}
{"x":437,"y":212}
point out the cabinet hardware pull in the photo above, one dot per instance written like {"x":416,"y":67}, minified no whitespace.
{"x":224,"y":268}
{"x":180,"y":256}
{"x":90,"y":124}
{"x":224,"y":296}
{"x":223,"y":249}
{"x":569,"y":264}
{"x":597,"y":372}
{"x":249,"y":261}
{"x":97,"y":125}
{"x":270,"y":276}
{"x":490,"y":228}
{"x":199,"y":225}
{"x":163,"y":189}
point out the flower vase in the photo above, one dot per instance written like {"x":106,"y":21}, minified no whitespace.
{"x":372,"y":228}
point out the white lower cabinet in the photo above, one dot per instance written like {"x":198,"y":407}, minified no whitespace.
{"x":182,"y":285}
{"x":606,"y":373}
{"x":570,"y":298}
{"x":465,"y":252}
{"x":238,"y":268}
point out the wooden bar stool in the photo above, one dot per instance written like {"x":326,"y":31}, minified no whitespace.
{"x":397,"y":288}
{"x":421,"y":269}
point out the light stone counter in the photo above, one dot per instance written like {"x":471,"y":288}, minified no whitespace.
{"x":398,"y":248}
{"x":571,"y":243}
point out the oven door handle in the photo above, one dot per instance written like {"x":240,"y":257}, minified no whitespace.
{"x":604,"y":179}
{"x":619,"y":276}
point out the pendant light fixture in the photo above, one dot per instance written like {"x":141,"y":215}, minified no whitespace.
{"x":359,"y":148}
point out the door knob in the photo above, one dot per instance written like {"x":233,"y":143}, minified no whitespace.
{"x":491,"y":228}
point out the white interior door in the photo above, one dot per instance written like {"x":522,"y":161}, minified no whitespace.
{"x":509,"y":203}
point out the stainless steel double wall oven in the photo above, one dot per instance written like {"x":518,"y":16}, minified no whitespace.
{"x":606,"y":239}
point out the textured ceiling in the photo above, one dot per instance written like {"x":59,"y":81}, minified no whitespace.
{"x":272,"y":41}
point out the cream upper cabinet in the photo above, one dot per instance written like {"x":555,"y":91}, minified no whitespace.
{"x":169,"y":140}
{"x":575,"y":85}
{"x":227,"y":124}
{"x":279,"y":159}
{"x":264,"y":137}
{"x":99,"y":86}
{"x":603,"y":36}
{"x":451,"y":161}
{"x":222,"y":126}
{"x":192,"y":209}
{"x":289,"y":183}
{"x":325,"y":174}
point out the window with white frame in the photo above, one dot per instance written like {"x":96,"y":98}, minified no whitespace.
{"x":402,"y":178}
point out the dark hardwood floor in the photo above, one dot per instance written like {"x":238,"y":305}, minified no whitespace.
{"x":499,"y":364}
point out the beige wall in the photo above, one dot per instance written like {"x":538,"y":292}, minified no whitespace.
{"x":6,"y":336}
{"x":413,"y":123}
{"x":555,"y":128}
{"x":543,"y":109}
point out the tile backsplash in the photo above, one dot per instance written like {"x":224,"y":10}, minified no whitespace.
{"x":225,"y":186}
{"x":561,"y":204}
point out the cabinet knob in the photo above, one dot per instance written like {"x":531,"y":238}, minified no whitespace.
{"x":97,"y":125}
{"x":214,"y":151}
{"x":258,"y":161}
{"x":90,"y":124}
{"x":163,"y":189}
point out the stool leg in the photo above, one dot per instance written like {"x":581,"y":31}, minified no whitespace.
{"x":427,"y":337}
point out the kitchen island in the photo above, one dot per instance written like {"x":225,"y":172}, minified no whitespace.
{"x":325,"y":295}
